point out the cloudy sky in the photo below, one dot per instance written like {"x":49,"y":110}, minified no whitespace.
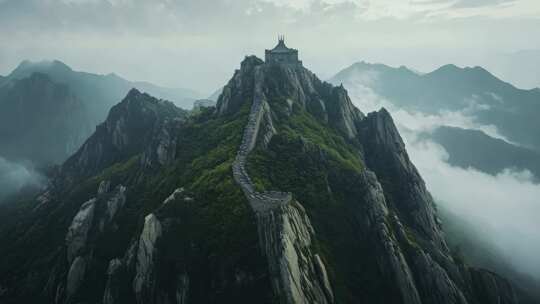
{"x":198,"y":43}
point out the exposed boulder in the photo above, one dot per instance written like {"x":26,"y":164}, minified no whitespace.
{"x":79,"y":229}
{"x":75,"y":275}
{"x":144,"y":282}
{"x":297,"y":273}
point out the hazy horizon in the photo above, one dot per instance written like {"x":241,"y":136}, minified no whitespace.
{"x":197,"y":45}
{"x":380,"y":185}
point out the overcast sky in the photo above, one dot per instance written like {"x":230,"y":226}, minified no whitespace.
{"x":198,"y":43}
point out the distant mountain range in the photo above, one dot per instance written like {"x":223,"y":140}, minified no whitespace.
{"x":473,"y":148}
{"x":50,"y":105}
{"x":110,"y":87}
{"x":473,"y":91}
{"x":41,"y":121}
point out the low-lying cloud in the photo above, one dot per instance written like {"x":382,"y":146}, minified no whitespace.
{"x":16,"y":176}
{"x":501,"y":210}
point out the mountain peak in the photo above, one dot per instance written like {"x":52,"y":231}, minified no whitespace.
{"x":26,"y":68}
{"x":133,"y":93}
{"x":452,"y":68}
{"x":51,"y":64}
{"x":287,"y":88}
{"x":250,"y":61}
{"x":130,"y":129}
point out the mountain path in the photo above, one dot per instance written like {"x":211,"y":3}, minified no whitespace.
{"x":261,"y":202}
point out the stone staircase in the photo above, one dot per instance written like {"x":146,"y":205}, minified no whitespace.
{"x":261,"y":202}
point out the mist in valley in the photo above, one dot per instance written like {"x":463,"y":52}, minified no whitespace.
{"x":16,"y":176}
{"x":184,"y":51}
{"x":490,"y":219}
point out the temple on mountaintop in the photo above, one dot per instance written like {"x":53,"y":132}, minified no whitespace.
{"x":281,"y":54}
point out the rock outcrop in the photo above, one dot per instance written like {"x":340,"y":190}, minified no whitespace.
{"x":384,"y":152}
{"x":93,"y":217}
{"x":298,"y":275}
{"x":430,"y":269}
{"x":79,"y":229}
{"x":143,"y":284}
{"x":373,"y":215}
{"x":138,"y":123}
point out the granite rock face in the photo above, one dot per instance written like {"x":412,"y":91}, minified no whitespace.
{"x":372,"y":216}
{"x":290,"y":84}
{"x":93,"y":218}
{"x":434,"y":274}
{"x":298,"y":275}
{"x":163,"y":146}
{"x":384,"y":152}
{"x":143,"y":284}
{"x":138,"y":123}
{"x":79,"y":229}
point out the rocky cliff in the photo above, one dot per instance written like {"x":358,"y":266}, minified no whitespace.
{"x":282,"y":193}
{"x":138,"y":124}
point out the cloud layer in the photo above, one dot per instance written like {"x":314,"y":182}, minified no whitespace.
{"x":15,"y":176}
{"x":501,"y":211}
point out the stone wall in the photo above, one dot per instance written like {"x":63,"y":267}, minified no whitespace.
{"x":261,"y":202}
{"x":285,"y":232}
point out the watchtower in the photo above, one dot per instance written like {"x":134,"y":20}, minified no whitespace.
{"x":281,"y":54}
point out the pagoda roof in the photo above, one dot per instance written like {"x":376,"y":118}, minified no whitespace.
{"x":281,"y":47}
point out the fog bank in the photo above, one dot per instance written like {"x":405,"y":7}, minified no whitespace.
{"x":16,"y":176}
{"x":500,"y":210}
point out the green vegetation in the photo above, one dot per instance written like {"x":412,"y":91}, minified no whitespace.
{"x":321,"y":168}
{"x":215,"y":233}
{"x":301,"y":147}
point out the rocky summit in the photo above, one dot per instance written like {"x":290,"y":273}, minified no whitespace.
{"x":284,"y":192}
